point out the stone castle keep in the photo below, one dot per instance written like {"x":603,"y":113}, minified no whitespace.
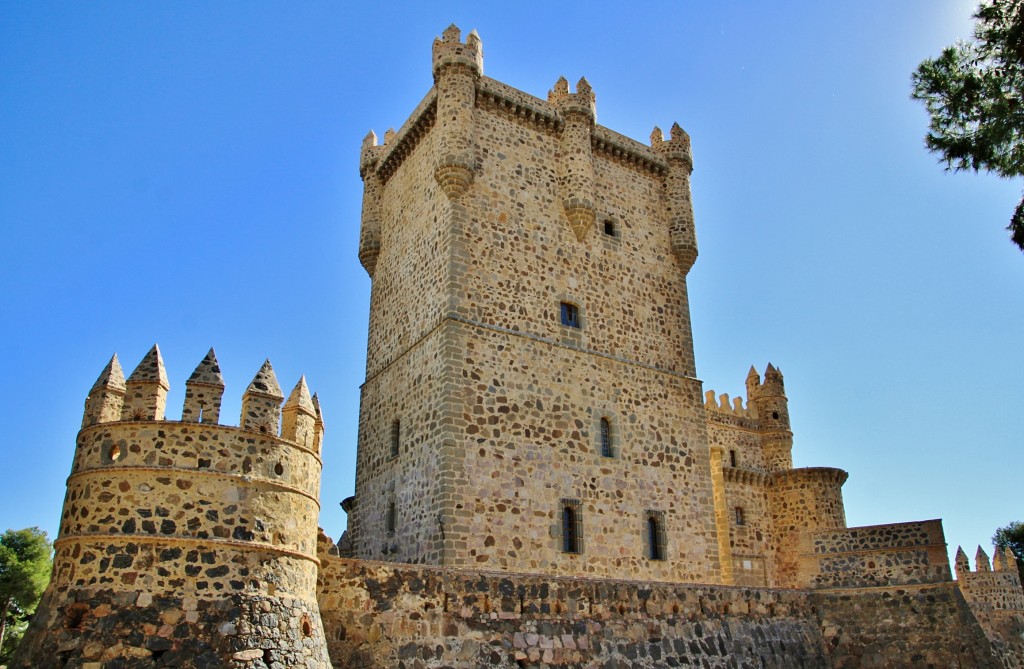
{"x":541,"y":479}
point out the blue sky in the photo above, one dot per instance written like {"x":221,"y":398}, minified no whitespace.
{"x":186,"y":173}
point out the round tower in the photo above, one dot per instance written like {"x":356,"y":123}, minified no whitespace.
{"x":769,"y":401}
{"x":187,"y":543}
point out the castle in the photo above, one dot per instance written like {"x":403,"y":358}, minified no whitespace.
{"x":541,"y":479}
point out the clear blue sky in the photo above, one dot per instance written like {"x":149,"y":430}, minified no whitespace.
{"x":186,"y":173}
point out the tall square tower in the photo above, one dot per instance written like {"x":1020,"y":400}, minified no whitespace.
{"x":530,"y":402}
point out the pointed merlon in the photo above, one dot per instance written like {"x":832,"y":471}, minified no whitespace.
{"x":583,"y":86}
{"x":265,"y":382}
{"x":981,"y":562}
{"x":300,"y":398}
{"x":111,"y":377}
{"x":753,"y":375}
{"x":316,"y":405}
{"x":208,"y":372}
{"x":1011,"y":559}
{"x":960,"y":563}
{"x":151,"y":369}
{"x":998,"y":560}
{"x":657,"y":136}
{"x":473,"y":38}
{"x":677,"y":132}
{"x":451,"y":34}
{"x":370,"y":140}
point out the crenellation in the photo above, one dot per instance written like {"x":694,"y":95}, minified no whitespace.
{"x":261,"y":403}
{"x":203,"y":392}
{"x":541,"y":479}
{"x":146,"y":389}
{"x":106,"y":398}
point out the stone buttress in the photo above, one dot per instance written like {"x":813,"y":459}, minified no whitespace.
{"x":186,"y":543}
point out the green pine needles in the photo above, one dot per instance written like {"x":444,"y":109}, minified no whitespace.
{"x":973,"y":94}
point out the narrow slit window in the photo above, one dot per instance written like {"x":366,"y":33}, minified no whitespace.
{"x":740,"y":520}
{"x":571,"y":527}
{"x":732,"y":458}
{"x":390,"y":518}
{"x":396,"y":437}
{"x":570,"y":315}
{"x":653,"y":539}
{"x":606,"y":438}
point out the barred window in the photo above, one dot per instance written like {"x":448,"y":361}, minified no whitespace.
{"x":396,"y":437}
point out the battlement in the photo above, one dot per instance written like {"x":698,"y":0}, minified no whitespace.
{"x":143,"y":397}
{"x":450,"y":51}
{"x":723,"y":405}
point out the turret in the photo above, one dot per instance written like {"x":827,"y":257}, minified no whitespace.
{"x":105,"y":400}
{"x":146,"y":389}
{"x":261,"y":403}
{"x":369,"y":230}
{"x":457,"y":67}
{"x":298,"y":424}
{"x":769,"y":401}
{"x":576,"y":157}
{"x":213,"y":525}
{"x":676,"y":152}
{"x":203,"y":392}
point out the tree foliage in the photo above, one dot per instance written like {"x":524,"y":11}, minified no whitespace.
{"x":1012,"y":537}
{"x":973,"y":94}
{"x":25,"y":563}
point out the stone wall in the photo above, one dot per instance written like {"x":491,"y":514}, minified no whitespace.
{"x":387,"y":615}
{"x":910,"y":626}
{"x":877,"y":555}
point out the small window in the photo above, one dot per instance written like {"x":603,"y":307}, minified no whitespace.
{"x":609,"y":227}
{"x":732,"y":458}
{"x":654,"y":535}
{"x":606,"y":438}
{"x":570,"y":315}
{"x":390,"y":518}
{"x":396,"y":437}
{"x":739,"y":516}
{"x":654,"y":543}
{"x":775,"y":415}
{"x":571,"y":527}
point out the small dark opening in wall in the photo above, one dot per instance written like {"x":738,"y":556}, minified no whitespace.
{"x":732,"y":458}
{"x":204,"y":463}
{"x":570,"y":315}
{"x":115,"y":453}
{"x":775,"y":415}
{"x":609,"y":228}
{"x":279,"y":469}
{"x":307,"y":627}
{"x":74,"y":616}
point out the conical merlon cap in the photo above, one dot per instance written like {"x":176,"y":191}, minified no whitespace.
{"x":208,"y":372}
{"x":265,"y":382}
{"x":316,"y":405}
{"x":151,"y":369}
{"x":300,"y":397}
{"x":111,"y":377}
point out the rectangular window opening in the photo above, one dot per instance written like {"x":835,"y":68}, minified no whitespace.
{"x":570,"y":315}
